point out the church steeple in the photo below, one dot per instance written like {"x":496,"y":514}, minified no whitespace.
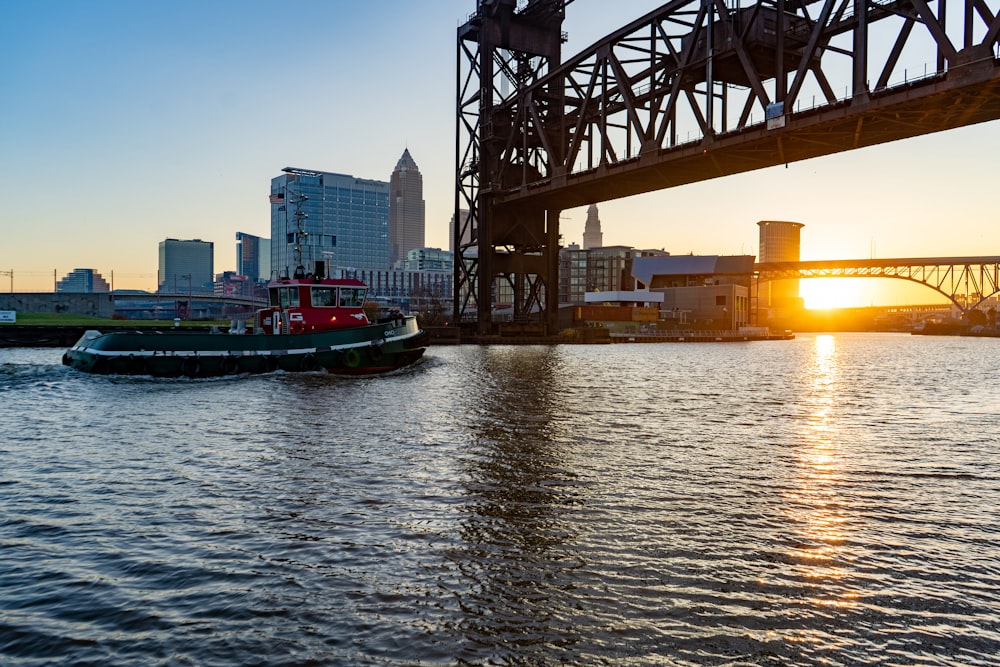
{"x":592,"y":235}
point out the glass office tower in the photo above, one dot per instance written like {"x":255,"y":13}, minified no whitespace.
{"x":252,"y":256}
{"x":186,"y":266}
{"x":346,"y":222}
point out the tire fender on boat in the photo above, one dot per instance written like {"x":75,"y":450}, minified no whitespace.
{"x":190,"y":366}
{"x":308,"y":363}
{"x":352,"y":358}
{"x":375,"y":351}
{"x":229,"y":365}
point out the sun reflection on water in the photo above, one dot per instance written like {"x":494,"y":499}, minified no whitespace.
{"x":819,"y":513}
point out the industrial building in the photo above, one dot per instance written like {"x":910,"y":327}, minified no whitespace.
{"x":685,"y":292}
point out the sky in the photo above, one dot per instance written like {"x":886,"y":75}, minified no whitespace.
{"x":124,"y":123}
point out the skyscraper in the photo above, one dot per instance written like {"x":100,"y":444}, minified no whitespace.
{"x":345,"y":221}
{"x":186,"y":266}
{"x":406,"y":209}
{"x":253,"y":256}
{"x":592,"y":235}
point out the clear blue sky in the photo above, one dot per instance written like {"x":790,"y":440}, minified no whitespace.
{"x":123,"y":123}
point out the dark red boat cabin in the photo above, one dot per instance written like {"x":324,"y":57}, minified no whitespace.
{"x":309,"y":305}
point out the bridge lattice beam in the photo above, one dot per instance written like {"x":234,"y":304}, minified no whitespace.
{"x":965,"y":281}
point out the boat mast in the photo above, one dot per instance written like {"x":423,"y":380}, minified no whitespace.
{"x":300,"y":234}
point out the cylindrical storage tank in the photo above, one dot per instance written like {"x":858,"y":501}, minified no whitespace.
{"x":779,"y":242}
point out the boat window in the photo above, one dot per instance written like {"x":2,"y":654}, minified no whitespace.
{"x":324,"y":297}
{"x":352,"y":297}
{"x":288,"y":297}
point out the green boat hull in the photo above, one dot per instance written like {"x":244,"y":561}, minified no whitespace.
{"x":374,"y":348}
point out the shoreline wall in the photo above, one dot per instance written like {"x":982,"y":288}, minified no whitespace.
{"x":95,"y":304}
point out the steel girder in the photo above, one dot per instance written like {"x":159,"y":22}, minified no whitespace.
{"x":698,"y":89}
{"x":965,"y":281}
{"x":510,"y":253}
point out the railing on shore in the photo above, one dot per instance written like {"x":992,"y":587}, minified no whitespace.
{"x":694,"y":336}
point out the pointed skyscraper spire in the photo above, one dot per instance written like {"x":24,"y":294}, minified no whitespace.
{"x":406,"y":162}
{"x":406,"y":209}
{"x":592,"y":235}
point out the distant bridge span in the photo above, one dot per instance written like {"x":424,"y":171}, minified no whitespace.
{"x":965,"y":281}
{"x":694,"y":90}
{"x":167,"y":302}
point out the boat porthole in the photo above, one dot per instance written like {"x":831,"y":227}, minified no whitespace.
{"x":352,"y":358}
{"x":308,"y":363}
{"x":190,"y":366}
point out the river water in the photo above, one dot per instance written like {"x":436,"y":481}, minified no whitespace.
{"x":830,"y":500}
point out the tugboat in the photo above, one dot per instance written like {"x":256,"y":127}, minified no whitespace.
{"x":313,"y":323}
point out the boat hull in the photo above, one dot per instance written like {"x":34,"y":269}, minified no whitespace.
{"x":374,"y":348}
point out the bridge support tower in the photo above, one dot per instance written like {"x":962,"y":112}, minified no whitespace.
{"x":503,"y":254}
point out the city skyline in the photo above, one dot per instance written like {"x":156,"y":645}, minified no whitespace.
{"x":130,"y":124}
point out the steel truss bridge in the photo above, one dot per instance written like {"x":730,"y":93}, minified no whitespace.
{"x":966,"y":281}
{"x":694,"y":90}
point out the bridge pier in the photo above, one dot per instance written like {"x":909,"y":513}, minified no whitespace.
{"x":519,"y":263}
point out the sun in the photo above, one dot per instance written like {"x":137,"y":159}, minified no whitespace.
{"x":826,"y":293}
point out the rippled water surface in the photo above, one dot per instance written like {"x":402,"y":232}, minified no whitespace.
{"x":826,"y":500}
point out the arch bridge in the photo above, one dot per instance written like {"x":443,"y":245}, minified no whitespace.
{"x":691,"y":91}
{"x":966,"y":281}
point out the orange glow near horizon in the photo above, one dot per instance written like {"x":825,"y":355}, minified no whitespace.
{"x":827,"y":293}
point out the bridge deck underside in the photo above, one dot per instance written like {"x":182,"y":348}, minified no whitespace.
{"x":965,"y":96}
